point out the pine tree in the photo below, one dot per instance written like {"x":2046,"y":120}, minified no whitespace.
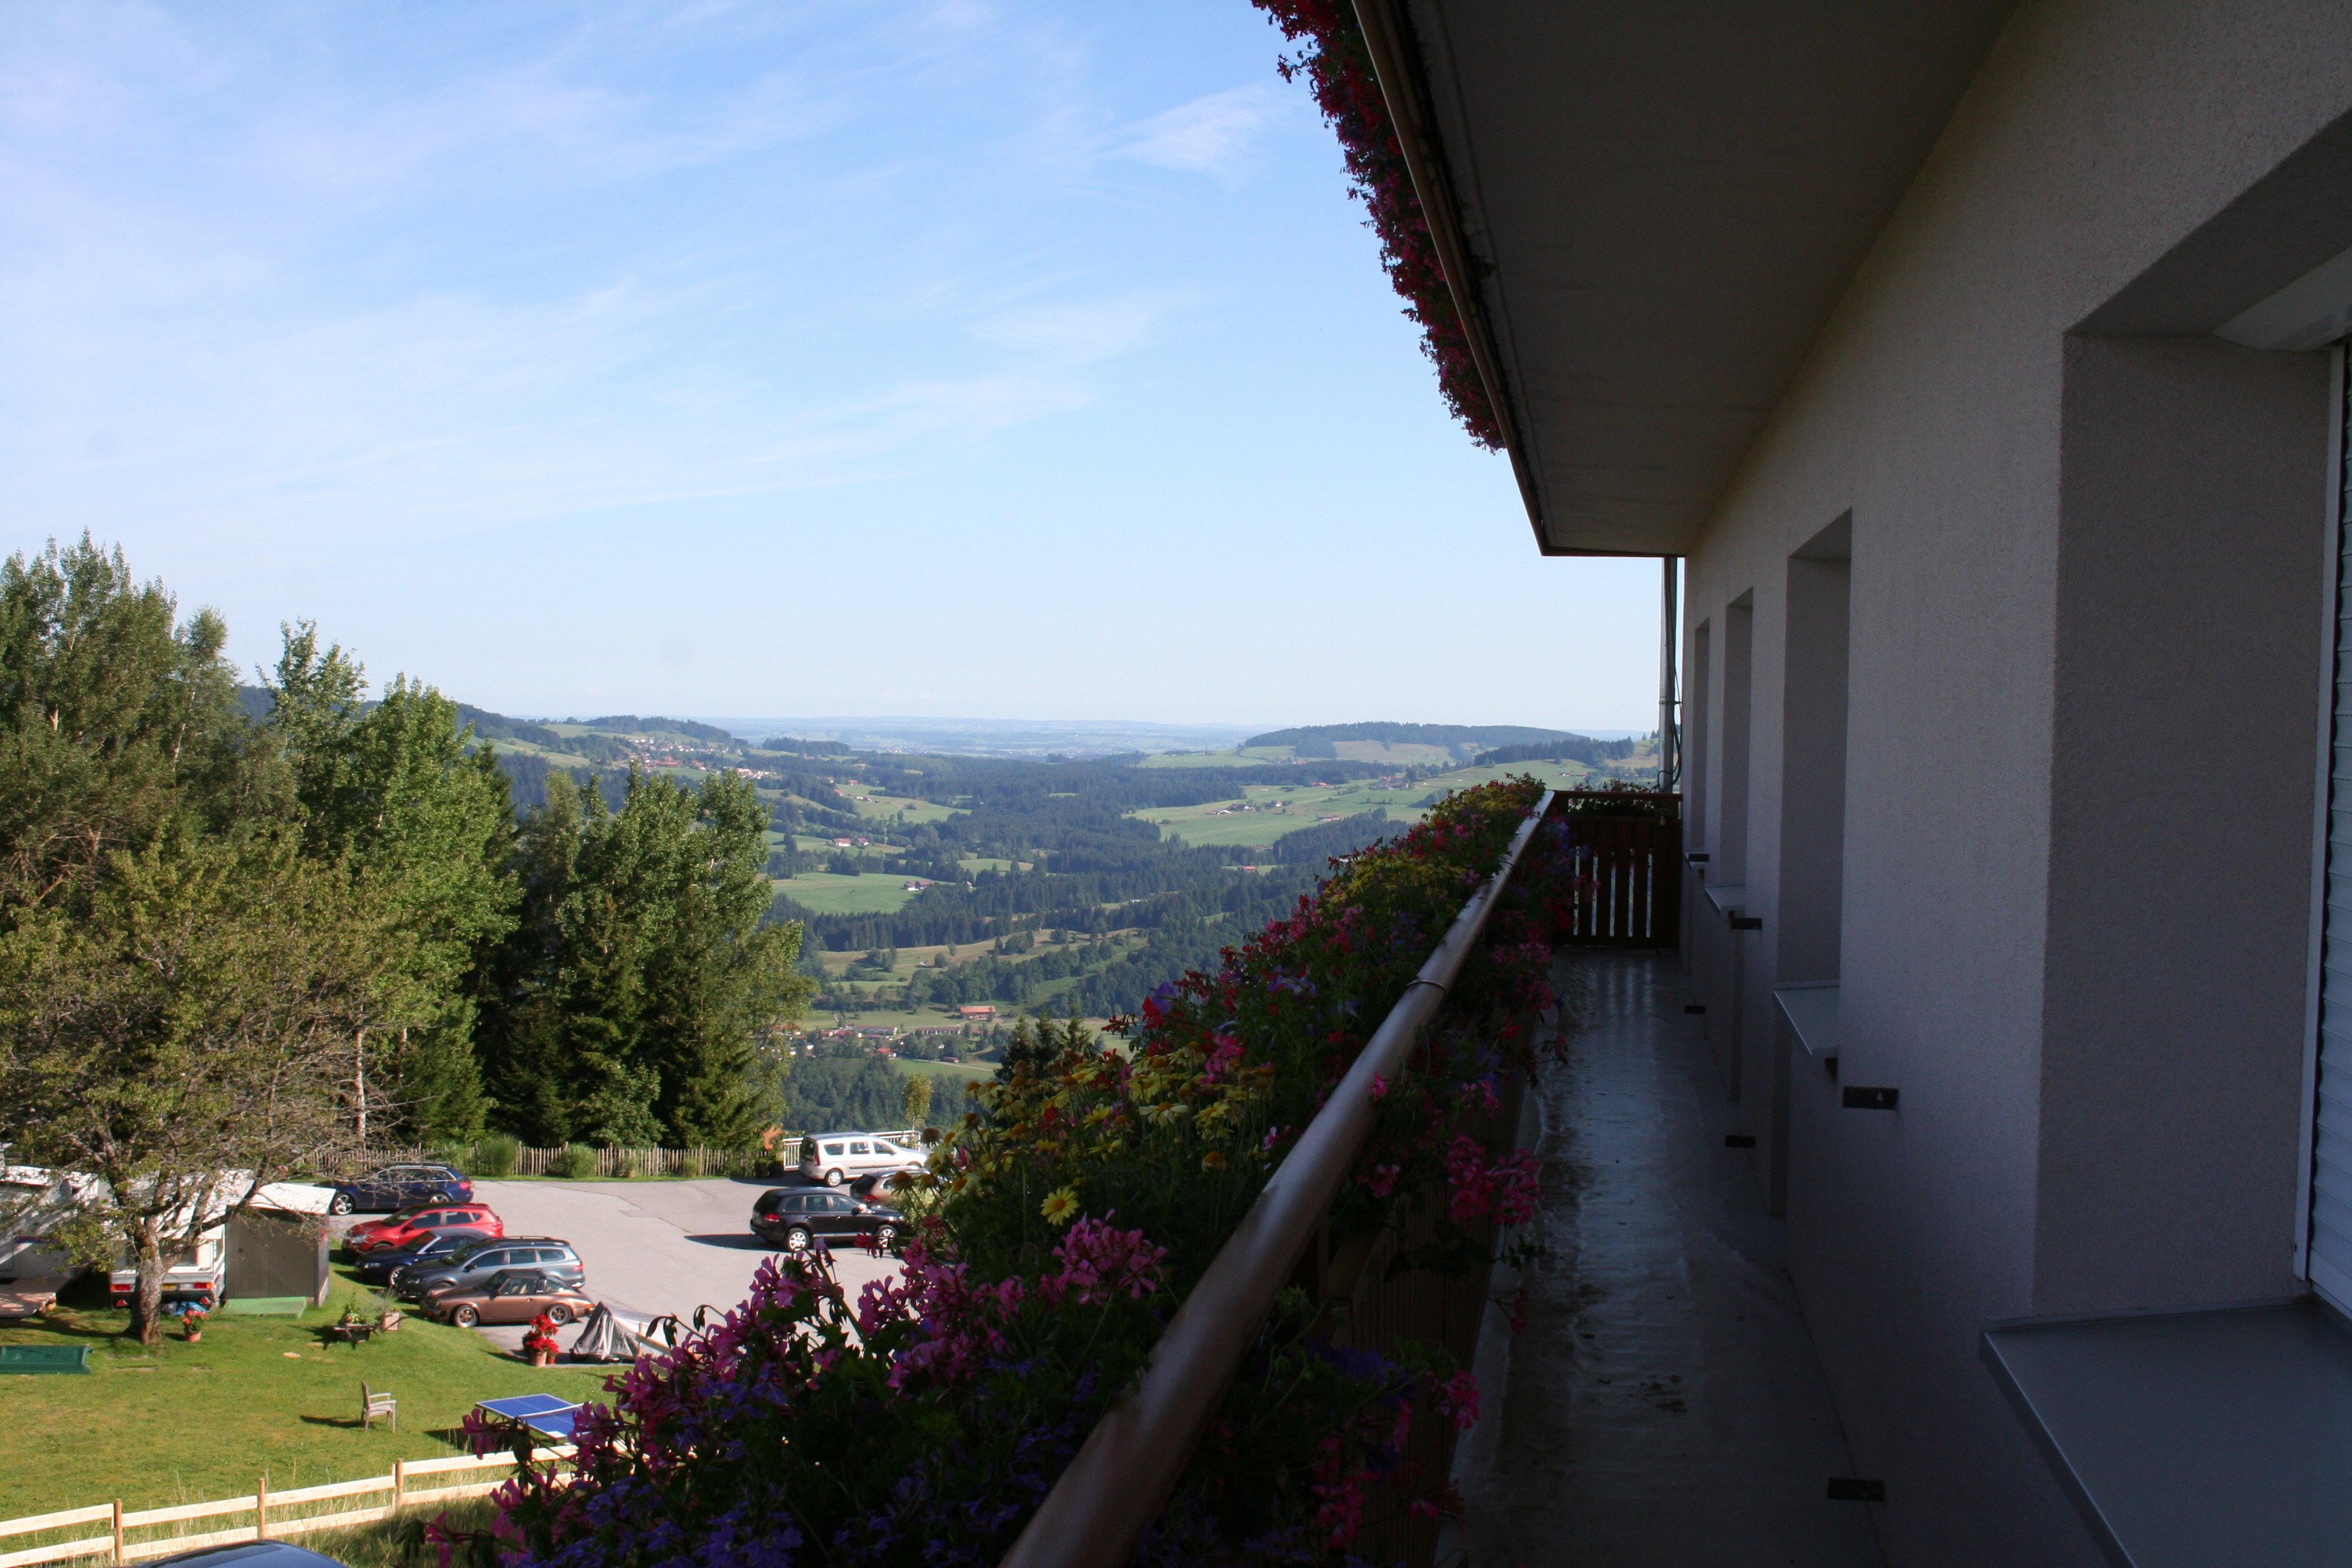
{"x":640,"y":993}
{"x":113,"y":721}
{"x":391,"y":792}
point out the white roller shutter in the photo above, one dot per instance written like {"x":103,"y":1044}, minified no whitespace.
{"x":2331,"y":1147}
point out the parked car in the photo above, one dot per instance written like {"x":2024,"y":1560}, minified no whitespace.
{"x":509,"y":1296}
{"x":794,"y":1217}
{"x":476,"y":1261}
{"x":435,"y":1249}
{"x":401,"y":1186}
{"x":411,"y":1225}
{"x":251,"y":1554}
{"x":835,"y":1157}
{"x":875,"y":1188}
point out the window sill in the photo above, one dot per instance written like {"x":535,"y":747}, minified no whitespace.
{"x":2192,"y":1438}
{"x":1811,"y":1009}
{"x":1728,"y":897}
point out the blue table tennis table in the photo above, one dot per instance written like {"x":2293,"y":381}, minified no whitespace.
{"x":543,"y":1413}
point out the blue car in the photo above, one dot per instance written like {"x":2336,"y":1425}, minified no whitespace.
{"x":399,"y":1187}
{"x":378,"y":1268}
{"x":251,"y":1554}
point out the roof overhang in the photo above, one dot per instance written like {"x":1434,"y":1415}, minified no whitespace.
{"x":1660,"y":205}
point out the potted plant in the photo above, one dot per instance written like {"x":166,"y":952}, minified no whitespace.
{"x":390,"y":1320}
{"x":192,"y":1323}
{"x":539,"y":1343}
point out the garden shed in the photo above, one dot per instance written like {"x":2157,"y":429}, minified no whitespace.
{"x":278,"y":1246}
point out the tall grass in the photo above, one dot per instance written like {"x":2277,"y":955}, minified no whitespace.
{"x":400,"y":1542}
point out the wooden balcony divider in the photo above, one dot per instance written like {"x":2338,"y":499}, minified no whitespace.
{"x":1631,"y":894}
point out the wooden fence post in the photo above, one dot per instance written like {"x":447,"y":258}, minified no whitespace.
{"x":399,"y":1483}
{"x":261,"y":1508}
{"x":117,"y":1532}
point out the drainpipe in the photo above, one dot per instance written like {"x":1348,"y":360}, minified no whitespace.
{"x":1670,"y":761}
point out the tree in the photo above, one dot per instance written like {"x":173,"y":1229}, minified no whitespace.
{"x":391,"y":792}
{"x":640,"y":993}
{"x":113,"y":721}
{"x":187,"y":1037}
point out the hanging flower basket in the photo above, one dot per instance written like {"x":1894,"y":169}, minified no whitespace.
{"x":1337,"y":67}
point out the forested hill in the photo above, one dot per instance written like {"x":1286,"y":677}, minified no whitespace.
{"x":1320,"y":735}
{"x":1049,"y":847}
{"x":1568,"y":748}
{"x":1091,"y":866}
{"x":629,"y":723}
{"x":1001,"y":848}
{"x":528,"y":750}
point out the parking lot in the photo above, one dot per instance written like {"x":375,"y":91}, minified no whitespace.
{"x":655,"y":1247}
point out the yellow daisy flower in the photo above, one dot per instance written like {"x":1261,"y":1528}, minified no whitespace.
{"x":1061,"y":1206}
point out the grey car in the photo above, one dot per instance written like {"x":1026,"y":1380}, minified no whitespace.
{"x":473,"y":1265}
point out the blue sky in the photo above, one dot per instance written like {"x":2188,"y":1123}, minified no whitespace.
{"x":993,"y":360}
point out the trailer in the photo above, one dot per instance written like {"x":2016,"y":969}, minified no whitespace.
{"x":33,"y":1267}
{"x":32,"y":1272}
{"x":194,"y":1275}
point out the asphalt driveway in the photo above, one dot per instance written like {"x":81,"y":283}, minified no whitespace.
{"x":655,"y":1247}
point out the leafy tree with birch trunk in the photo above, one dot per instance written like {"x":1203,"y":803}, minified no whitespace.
{"x":188,"y":1038}
{"x":182,"y":991}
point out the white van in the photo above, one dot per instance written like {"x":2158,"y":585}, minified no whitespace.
{"x":839,"y":1156}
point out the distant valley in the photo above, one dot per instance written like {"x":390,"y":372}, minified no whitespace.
{"x":935,"y":881}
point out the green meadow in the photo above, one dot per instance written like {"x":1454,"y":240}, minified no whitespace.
{"x":257,"y":1397}
{"x":828,"y":894}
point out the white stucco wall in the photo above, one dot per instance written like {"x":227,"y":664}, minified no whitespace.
{"x":2085,"y":595}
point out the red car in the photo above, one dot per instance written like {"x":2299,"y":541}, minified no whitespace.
{"x":412,"y":1225}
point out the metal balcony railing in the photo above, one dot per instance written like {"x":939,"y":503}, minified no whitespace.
{"x":1121,"y":1476}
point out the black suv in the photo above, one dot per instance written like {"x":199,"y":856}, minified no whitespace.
{"x":792,"y":1217}
{"x":471,"y":1265}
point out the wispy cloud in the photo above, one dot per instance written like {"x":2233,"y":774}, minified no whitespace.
{"x":425,"y":303}
{"x":1079,"y":331}
{"x":1211,"y":136}
{"x":532,"y":349}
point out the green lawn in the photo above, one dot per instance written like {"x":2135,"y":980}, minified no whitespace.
{"x":1251,"y":830}
{"x":893,"y":805}
{"x":1199,"y":759}
{"x":912,"y":1068}
{"x":1300,"y":806}
{"x":1304,"y":804}
{"x":830,"y":895}
{"x":258,"y":1397}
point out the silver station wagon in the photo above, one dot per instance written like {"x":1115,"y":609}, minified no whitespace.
{"x":835,"y":1157}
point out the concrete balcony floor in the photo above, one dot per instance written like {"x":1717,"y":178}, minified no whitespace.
{"x":1662,"y":1405}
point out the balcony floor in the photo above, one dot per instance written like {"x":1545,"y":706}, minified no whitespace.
{"x":1662,"y":1404}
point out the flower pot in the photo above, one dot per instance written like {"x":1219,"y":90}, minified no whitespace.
{"x":542,"y":1358}
{"x":390,"y":1322}
{"x":194,"y":1334}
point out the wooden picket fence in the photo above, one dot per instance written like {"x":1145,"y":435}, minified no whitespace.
{"x":613,"y":1163}
{"x":783,"y":1153}
{"x":117,"y":1546}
